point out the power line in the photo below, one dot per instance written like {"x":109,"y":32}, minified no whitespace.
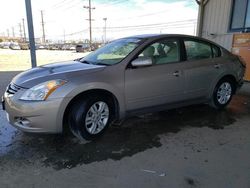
{"x":68,"y":5}
{"x":140,"y":16}
{"x":176,"y":24}
{"x":114,"y":3}
{"x":157,"y":24}
{"x":152,"y":27}
{"x":75,"y":5}
{"x":60,"y":4}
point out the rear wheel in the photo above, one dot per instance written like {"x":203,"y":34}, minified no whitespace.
{"x":90,"y":117}
{"x":223,"y":93}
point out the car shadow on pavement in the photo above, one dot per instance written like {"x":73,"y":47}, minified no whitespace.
{"x":136,"y":134}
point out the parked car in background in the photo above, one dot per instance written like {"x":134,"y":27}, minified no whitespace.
{"x":95,"y":46}
{"x":1,"y":44}
{"x":24,"y":46}
{"x":66,"y":47}
{"x":5,"y":45}
{"x":14,"y":46}
{"x":41,"y":47}
{"x":128,"y":76}
{"x":82,"y":48}
{"x":71,"y":47}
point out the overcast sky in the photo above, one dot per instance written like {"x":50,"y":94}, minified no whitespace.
{"x":69,"y":16}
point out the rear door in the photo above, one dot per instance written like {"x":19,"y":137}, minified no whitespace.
{"x":202,"y":67}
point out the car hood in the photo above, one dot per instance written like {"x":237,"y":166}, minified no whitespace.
{"x":60,"y":70}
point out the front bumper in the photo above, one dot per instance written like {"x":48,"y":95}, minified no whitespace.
{"x":33,"y":116}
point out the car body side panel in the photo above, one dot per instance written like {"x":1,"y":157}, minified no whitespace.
{"x":81,"y":84}
{"x":200,"y":74}
{"x":154,"y":85}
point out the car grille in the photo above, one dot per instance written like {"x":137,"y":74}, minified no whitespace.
{"x":12,"y":89}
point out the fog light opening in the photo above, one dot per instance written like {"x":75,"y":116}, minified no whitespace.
{"x":22,"y":121}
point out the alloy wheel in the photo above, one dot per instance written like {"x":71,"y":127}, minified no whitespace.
{"x":224,"y":93}
{"x":97,"y":117}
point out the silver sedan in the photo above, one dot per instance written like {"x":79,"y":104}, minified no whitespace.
{"x":132,"y":75}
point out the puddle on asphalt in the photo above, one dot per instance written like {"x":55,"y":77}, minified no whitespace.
{"x":135,"y":135}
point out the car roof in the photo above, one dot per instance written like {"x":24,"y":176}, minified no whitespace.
{"x":148,"y":36}
{"x":159,"y":36}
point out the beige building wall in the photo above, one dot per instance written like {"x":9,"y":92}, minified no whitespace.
{"x":216,"y":22}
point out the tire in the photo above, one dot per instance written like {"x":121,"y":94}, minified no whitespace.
{"x":223,"y":93}
{"x":89,"y":117}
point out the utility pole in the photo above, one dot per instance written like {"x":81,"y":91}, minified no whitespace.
{"x":13,"y":32}
{"x":105,"y":31}
{"x":90,"y":20}
{"x":24,"y":32}
{"x":43,"y":40}
{"x":8,"y":33}
{"x":20,"y":30}
{"x":64,"y":36}
{"x":202,"y":4}
{"x":31,"y":33}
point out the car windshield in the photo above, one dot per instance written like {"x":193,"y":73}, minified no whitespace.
{"x":113,"y":52}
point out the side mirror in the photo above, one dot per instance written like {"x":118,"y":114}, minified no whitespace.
{"x":142,"y":62}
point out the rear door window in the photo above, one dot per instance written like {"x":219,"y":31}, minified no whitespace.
{"x":197,"y":50}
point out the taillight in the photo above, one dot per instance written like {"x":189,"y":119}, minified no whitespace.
{"x":242,"y":61}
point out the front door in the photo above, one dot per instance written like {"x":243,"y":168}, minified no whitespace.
{"x":161,"y":83}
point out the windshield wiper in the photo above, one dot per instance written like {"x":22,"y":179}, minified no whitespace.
{"x":102,"y":64}
{"x":83,"y":61}
{"x":86,"y":62}
{"x":79,"y":59}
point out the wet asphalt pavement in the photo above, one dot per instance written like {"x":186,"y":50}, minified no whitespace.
{"x":142,"y":150}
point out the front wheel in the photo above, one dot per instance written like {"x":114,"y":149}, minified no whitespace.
{"x":223,"y":93}
{"x":89,"y":118}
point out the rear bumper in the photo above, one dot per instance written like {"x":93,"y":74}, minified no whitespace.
{"x":33,"y":116}
{"x":239,"y":84}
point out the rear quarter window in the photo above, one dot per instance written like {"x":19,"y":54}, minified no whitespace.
{"x":216,"y":51}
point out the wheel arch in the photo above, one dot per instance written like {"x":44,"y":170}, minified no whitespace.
{"x":224,"y":76}
{"x":230,"y":77}
{"x":80,"y":95}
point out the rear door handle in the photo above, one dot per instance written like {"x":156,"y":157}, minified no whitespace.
{"x":176,"y":73}
{"x":217,"y":66}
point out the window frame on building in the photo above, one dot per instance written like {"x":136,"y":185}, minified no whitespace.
{"x":244,"y":28}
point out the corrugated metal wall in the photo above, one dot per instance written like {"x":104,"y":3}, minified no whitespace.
{"x":216,"y":22}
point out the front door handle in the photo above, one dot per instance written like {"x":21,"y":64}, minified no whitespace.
{"x":176,"y":73}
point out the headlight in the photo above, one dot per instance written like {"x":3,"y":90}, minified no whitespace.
{"x":42,"y":91}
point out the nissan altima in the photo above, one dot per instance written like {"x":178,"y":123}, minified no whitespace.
{"x":132,"y":75}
